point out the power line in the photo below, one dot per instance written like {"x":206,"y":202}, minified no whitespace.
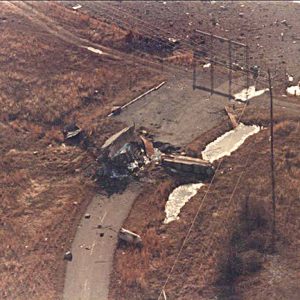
{"x":194,"y":219}
{"x":183,"y":41}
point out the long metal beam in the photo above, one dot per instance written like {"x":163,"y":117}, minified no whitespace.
{"x":220,"y":38}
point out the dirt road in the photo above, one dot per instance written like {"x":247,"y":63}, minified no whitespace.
{"x":87,"y":276}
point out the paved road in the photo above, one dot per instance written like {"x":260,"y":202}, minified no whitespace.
{"x":176,"y":113}
{"x":87,"y":276}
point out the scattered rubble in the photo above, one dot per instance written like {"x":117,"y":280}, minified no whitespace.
{"x":206,"y":66}
{"x":148,"y":147}
{"x":129,"y":238}
{"x":122,"y":156}
{"x":71,"y":131}
{"x":97,"y":51}
{"x":76,"y":7}
{"x":68,"y":256}
{"x":294,"y":90}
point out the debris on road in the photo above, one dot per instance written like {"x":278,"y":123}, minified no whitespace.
{"x":122,"y":155}
{"x":119,"y":110}
{"x":76,"y":7}
{"x":68,"y":256}
{"x":129,"y":237}
{"x":116,"y":141}
{"x":148,"y":147}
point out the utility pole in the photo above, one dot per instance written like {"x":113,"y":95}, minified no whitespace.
{"x":272,"y":164}
{"x":230,"y":69}
{"x":194,"y":71}
{"x":211,"y":64}
{"x":247,"y":70}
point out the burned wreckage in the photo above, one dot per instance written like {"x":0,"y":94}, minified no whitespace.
{"x":125,"y":155}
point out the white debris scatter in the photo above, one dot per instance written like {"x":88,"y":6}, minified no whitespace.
{"x":293,"y":90}
{"x":228,"y":142}
{"x":98,"y":51}
{"x":76,"y":6}
{"x":206,"y":66}
{"x":291,"y":78}
{"x":178,"y":198}
{"x":247,"y":94}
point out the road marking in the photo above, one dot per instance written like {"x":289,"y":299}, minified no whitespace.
{"x":85,"y":288}
{"x":92,"y":248}
{"x":102,"y":219}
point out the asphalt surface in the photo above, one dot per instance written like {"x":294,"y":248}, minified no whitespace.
{"x":87,"y":275}
{"x":176,"y":113}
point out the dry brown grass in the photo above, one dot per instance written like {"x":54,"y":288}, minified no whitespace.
{"x":227,"y":252}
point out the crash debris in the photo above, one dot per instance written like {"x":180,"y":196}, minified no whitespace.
{"x":294,"y":90}
{"x":117,"y":110}
{"x":126,"y":155}
{"x":71,"y":132}
{"x":68,"y":256}
{"x":76,"y":7}
{"x":185,"y":164}
{"x":129,"y":238}
{"x":232,"y":117}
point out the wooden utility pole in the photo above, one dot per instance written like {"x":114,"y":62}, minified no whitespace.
{"x":247,"y":70}
{"x":230,"y":69}
{"x":211,"y":64}
{"x":194,"y":71}
{"x":272,"y":164}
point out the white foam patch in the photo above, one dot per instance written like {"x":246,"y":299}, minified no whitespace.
{"x":293,"y":90}
{"x":178,"y":198}
{"x":228,"y":142}
{"x":250,"y":93}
